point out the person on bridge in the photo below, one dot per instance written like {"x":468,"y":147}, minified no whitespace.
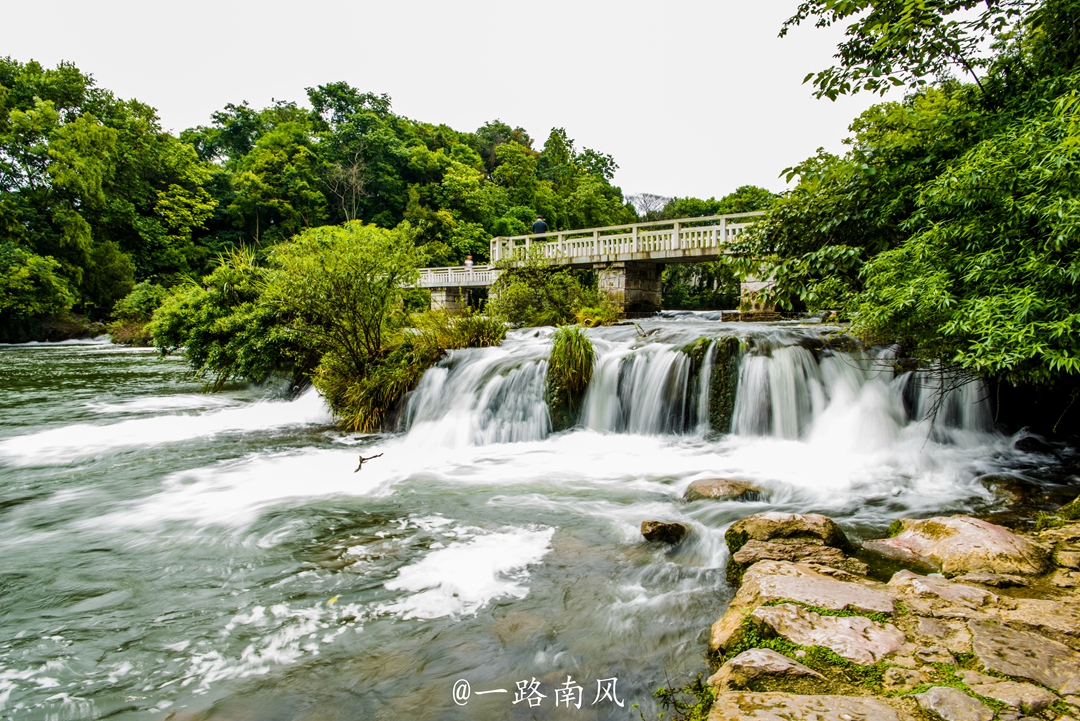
{"x":539,"y":226}
{"x":468,"y":263}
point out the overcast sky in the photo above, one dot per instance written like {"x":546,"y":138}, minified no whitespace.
{"x":691,"y":98}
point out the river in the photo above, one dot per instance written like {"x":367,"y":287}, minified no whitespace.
{"x":174,"y":554}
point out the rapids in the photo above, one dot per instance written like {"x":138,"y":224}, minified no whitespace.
{"x":173,"y":554}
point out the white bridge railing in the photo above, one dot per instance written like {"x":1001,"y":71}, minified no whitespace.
{"x":658,"y":239}
{"x":683,"y":239}
{"x":458,"y":275}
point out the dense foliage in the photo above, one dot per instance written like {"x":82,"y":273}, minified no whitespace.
{"x":95,"y":197}
{"x":951,"y":224}
{"x":711,"y":285}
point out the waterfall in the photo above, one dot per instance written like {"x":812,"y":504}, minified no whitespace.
{"x":783,"y":385}
{"x":704,"y":384}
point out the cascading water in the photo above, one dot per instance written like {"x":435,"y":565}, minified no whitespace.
{"x":218,"y":557}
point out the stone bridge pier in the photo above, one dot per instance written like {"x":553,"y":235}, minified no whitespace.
{"x":633,"y":286}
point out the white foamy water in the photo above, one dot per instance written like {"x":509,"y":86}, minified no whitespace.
{"x":62,"y":445}
{"x":465,"y":576}
{"x":157,"y":404}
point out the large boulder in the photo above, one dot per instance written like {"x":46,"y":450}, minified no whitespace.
{"x":775,"y":526}
{"x":952,"y":704}
{"x":736,"y":706}
{"x":771,"y":581}
{"x":662,"y":531}
{"x":756,"y":663}
{"x":1026,"y":655}
{"x":956,"y":545}
{"x":723,"y":489}
{"x":855,"y":638}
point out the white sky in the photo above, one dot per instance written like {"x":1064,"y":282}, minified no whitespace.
{"x":691,"y":97}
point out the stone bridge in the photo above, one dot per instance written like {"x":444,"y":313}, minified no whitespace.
{"x":629,"y":258}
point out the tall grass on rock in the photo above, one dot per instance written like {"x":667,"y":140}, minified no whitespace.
{"x":570,"y":369}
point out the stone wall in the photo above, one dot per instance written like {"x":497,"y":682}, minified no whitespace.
{"x":632,"y":286}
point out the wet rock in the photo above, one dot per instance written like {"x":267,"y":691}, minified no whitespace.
{"x":723,"y":489}
{"x":997,"y":580}
{"x":735,"y":706}
{"x":755,"y":663}
{"x":1032,"y":444}
{"x":955,"y":593}
{"x":902,"y":679}
{"x":775,"y":526}
{"x":934,"y":654}
{"x":952,"y":704}
{"x":855,"y":638}
{"x":1023,"y":696}
{"x":755,"y":551}
{"x":662,"y":531}
{"x":768,"y":581}
{"x":956,"y":545}
{"x":1026,"y":655}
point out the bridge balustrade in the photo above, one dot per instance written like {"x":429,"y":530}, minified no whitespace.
{"x":658,"y":240}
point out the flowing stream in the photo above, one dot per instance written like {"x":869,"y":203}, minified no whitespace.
{"x":172,"y":554}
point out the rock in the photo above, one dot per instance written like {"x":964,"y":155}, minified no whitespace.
{"x":1043,"y":614}
{"x":960,"y":544}
{"x":723,"y":489}
{"x":855,"y":638}
{"x":662,"y":531}
{"x":737,"y":706}
{"x":757,"y":662}
{"x":972,"y":678}
{"x":1073,"y":701}
{"x":935,"y":654}
{"x":997,"y":580}
{"x":1065,"y":579}
{"x":1024,"y":696}
{"x":902,"y":679}
{"x":755,"y":551}
{"x":1067,"y":557}
{"x":932,"y":627}
{"x":1032,"y":444}
{"x":952,"y":704}
{"x":916,"y":585}
{"x":1026,"y":655}
{"x":773,"y":526}
{"x":768,"y":581}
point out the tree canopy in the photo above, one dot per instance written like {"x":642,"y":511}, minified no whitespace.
{"x":950,"y":226}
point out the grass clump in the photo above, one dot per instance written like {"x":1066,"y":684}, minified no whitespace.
{"x":570,"y":368}
{"x":691,"y":702}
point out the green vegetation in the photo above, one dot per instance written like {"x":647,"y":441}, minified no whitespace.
{"x":95,"y":197}
{"x":532,"y":292}
{"x":326,"y":306}
{"x":570,"y":368}
{"x":133,"y":312}
{"x":712,"y":285}
{"x":691,"y":702}
{"x":950,"y":225}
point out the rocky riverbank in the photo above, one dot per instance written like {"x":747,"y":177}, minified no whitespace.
{"x":980,"y":623}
